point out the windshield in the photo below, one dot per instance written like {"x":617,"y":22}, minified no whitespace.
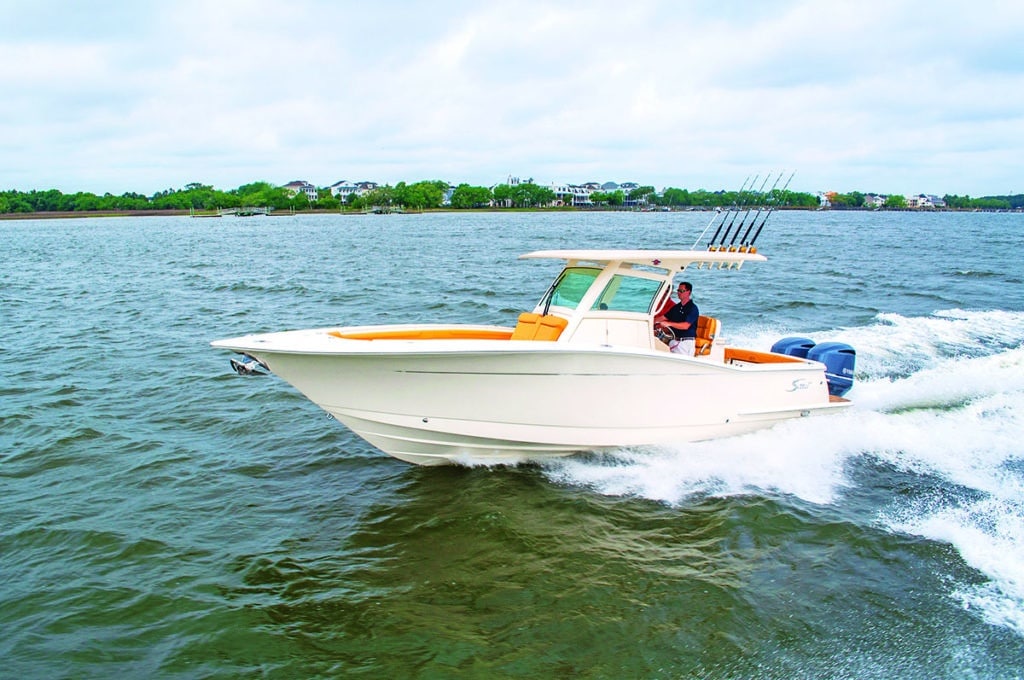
{"x":628,"y":294}
{"x":573,"y":285}
{"x":622,"y":294}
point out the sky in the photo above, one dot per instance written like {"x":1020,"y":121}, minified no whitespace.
{"x":875,"y":96}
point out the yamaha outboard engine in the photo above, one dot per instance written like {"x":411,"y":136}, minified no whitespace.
{"x":794,"y":347}
{"x":839,"y":359}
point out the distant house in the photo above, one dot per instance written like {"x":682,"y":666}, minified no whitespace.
{"x":571,"y":194}
{"x":626,"y":188}
{"x":579,"y":195}
{"x":875,"y":200}
{"x":342,"y":189}
{"x":448,"y":193}
{"x":294,"y":187}
{"x":925,"y":201}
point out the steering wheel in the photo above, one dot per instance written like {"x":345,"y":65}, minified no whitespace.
{"x":663,"y":333}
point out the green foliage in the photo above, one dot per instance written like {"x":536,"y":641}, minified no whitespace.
{"x":991,"y":203}
{"x":14,"y":202}
{"x":523,"y":195}
{"x":503,"y":194}
{"x":261,"y":194}
{"x":702,"y":198}
{"x":792,"y":199}
{"x":640,"y":192}
{"x":896,"y":201}
{"x":854,"y":199}
{"x":466,"y":196}
{"x":254,"y":188}
{"x":326,"y":201}
{"x":429,"y":194}
{"x":381,"y":197}
{"x":617,"y":197}
{"x":673,"y":196}
{"x":421,"y":195}
{"x":194,"y":196}
{"x":1015,"y":202}
{"x":954,"y":201}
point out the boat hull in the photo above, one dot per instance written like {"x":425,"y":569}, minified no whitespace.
{"x":436,"y":401}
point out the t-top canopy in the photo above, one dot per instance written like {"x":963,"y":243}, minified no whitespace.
{"x":673,"y":260}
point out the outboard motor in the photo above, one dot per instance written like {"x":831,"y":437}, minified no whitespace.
{"x":794,"y":347}
{"x":839,"y":359}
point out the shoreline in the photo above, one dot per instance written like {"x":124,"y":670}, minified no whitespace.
{"x":79,"y":214}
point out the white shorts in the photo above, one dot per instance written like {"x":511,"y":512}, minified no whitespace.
{"x":685,"y":346}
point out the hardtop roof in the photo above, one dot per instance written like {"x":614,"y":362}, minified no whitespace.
{"x":675,"y":260}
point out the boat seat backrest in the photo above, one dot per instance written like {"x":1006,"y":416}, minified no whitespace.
{"x":533,"y":326}
{"x":707,"y":328}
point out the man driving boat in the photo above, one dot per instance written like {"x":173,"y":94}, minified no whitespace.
{"x":681,"y":320}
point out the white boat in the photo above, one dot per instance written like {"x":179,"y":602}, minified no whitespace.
{"x":582,"y":371}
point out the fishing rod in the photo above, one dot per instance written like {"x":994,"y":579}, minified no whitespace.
{"x":721,"y":244}
{"x":760,"y":192}
{"x":771,"y":192}
{"x":710,"y":222}
{"x":758,"y":232}
{"x":711,"y":243}
{"x":742,"y":202}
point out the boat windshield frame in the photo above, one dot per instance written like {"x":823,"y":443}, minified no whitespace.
{"x":572,"y":285}
{"x":628,"y":293}
{"x":603,"y":266}
{"x":597,"y":288}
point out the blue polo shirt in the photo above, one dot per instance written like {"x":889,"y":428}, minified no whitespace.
{"x":680,"y":313}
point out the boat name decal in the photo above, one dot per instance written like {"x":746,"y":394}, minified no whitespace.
{"x":799,"y":384}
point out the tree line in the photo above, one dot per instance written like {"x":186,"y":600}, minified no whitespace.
{"x":430,"y":194}
{"x":856,"y":199}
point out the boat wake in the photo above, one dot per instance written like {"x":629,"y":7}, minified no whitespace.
{"x":939,"y":399}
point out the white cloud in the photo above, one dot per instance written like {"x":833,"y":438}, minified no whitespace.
{"x":898,"y":96}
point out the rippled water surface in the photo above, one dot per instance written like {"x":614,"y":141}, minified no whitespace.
{"x":163,"y":517}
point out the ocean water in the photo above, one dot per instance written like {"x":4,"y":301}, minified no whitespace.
{"x":161,"y":516}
